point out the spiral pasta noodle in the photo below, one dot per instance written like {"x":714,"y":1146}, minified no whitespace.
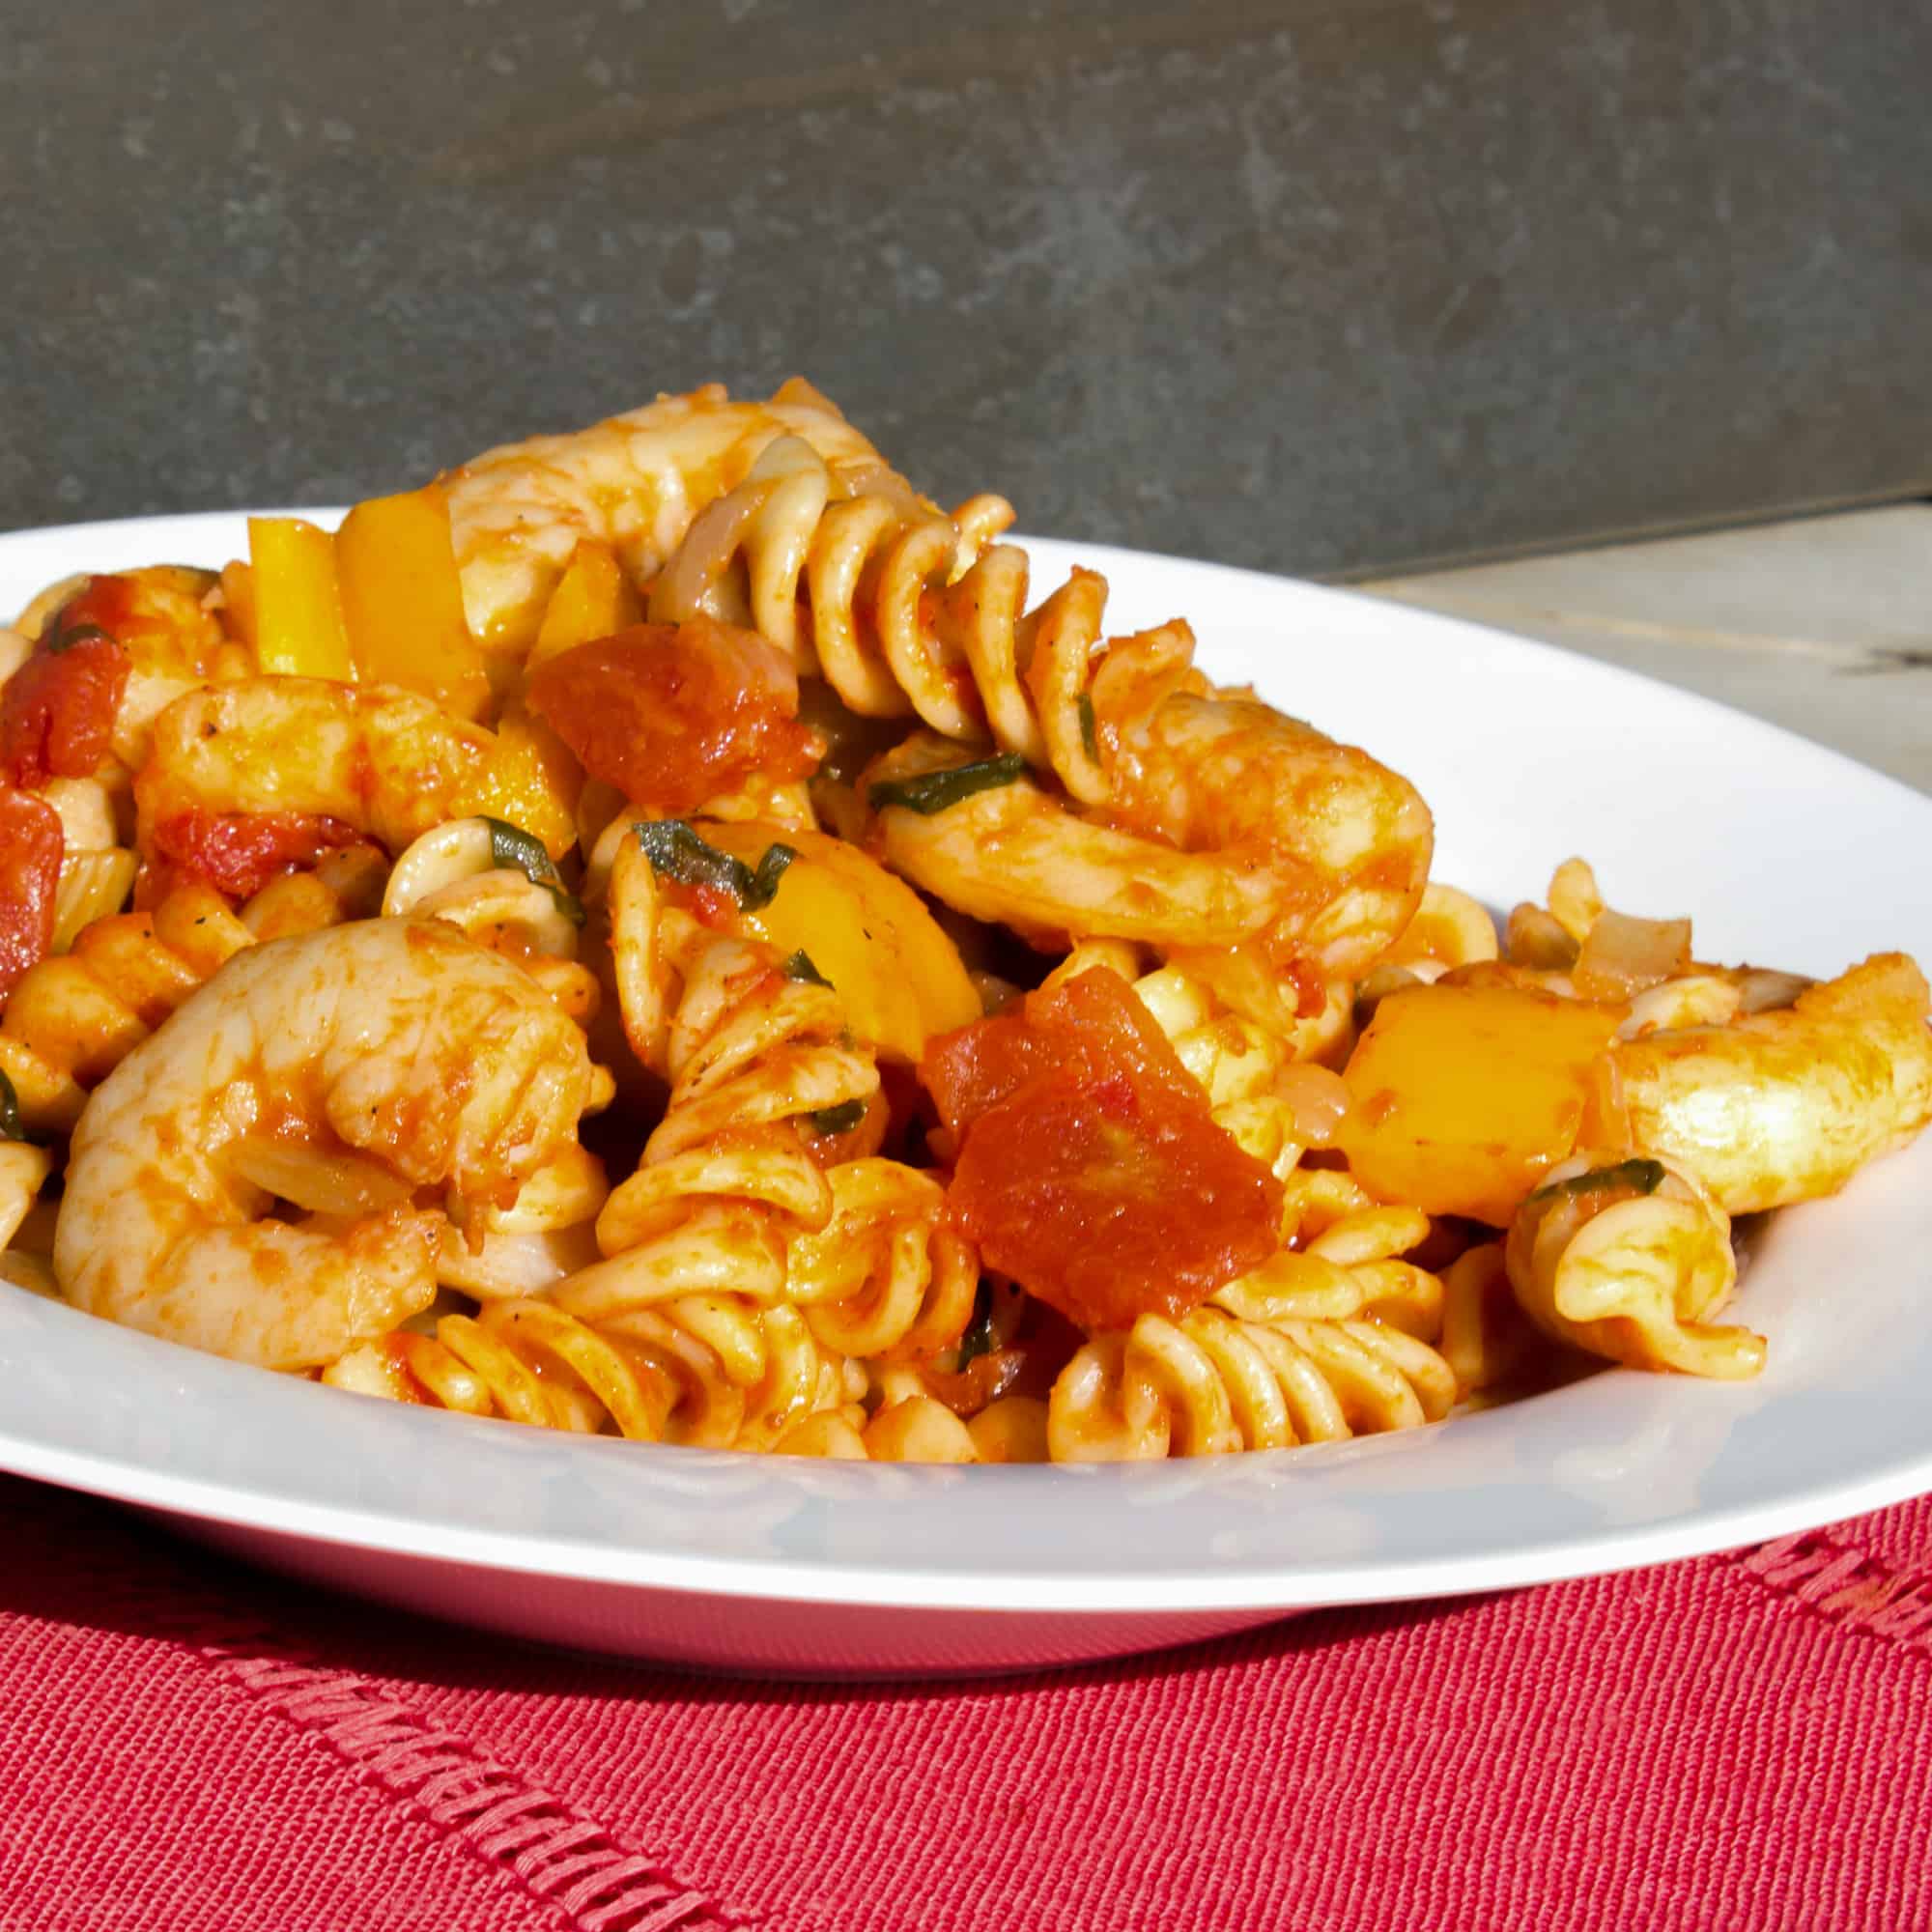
{"x":694,"y":1242}
{"x":884,"y":1278}
{"x":862,"y":566}
{"x":455,"y":873}
{"x":1626,"y":1259}
{"x":522,"y":1360}
{"x":75,"y":1017}
{"x":1213,"y":1382}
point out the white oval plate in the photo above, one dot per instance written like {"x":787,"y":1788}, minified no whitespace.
{"x":1784,"y":853}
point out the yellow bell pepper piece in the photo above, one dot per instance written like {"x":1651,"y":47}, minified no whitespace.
{"x":1464,"y":1096}
{"x":403,"y":600}
{"x":592,"y":599}
{"x":297,"y":610}
{"x":865,"y":931}
{"x":532,"y":780}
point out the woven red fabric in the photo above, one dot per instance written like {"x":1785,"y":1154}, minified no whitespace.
{"x":1735,"y":1743}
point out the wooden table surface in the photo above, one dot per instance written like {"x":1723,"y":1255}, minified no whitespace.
{"x":1822,"y":624}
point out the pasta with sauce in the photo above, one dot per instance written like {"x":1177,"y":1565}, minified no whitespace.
{"x":657,"y":933}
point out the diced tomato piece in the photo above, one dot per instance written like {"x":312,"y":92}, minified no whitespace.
{"x":675,"y":714}
{"x":1092,"y":1170}
{"x":1089,"y":1028}
{"x":57,"y":711}
{"x":30,"y":863}
{"x":239,"y":852}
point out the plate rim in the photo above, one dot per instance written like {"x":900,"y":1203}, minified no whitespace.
{"x":396,"y":1531}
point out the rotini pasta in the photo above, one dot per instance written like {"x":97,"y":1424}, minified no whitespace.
{"x":75,"y":1016}
{"x":1008,"y":1045}
{"x":1213,"y":1382}
{"x":1626,"y":1259}
{"x":884,"y":1278}
{"x":906,"y":611}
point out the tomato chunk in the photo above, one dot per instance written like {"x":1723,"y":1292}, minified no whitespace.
{"x":30,"y":863}
{"x":675,"y":714}
{"x":1091,"y":1027}
{"x":57,"y":711}
{"x":1090,"y":1168}
{"x":239,"y":852}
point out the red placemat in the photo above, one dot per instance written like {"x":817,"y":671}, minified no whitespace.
{"x":1733,"y":1743}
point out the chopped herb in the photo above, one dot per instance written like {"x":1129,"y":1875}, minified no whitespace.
{"x":770,"y":870}
{"x":800,"y":967}
{"x":934,"y":791}
{"x":1090,"y":736}
{"x":67,"y":636}
{"x":1646,"y":1177}
{"x":978,"y":1337}
{"x":677,"y":853}
{"x":11,"y":1128}
{"x":514,"y":849}
{"x":837,"y":1119}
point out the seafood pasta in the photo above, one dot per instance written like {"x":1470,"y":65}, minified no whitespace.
{"x":665,"y":932}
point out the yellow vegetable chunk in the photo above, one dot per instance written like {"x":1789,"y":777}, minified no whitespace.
{"x":532,"y":780}
{"x":297,"y":614}
{"x":868,"y":934}
{"x":402,"y":600}
{"x":1465,"y":1096}
{"x":594,"y":599}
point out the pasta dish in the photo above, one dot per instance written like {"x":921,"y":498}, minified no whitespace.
{"x":664,"y":932}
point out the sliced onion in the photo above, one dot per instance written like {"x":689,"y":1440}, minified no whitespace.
{"x":1624,"y":955}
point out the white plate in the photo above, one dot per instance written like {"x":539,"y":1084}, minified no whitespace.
{"x":1787,"y":853}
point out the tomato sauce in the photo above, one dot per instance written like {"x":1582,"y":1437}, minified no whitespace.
{"x":237,"y":852}
{"x":675,"y":714}
{"x":30,"y":863}
{"x":1090,"y":1168}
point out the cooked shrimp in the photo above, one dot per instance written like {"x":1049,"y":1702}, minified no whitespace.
{"x":417,"y":1079}
{"x":1015,"y":854}
{"x":1222,"y":772}
{"x":635,"y":481}
{"x":373,"y":758}
{"x":1018,"y":853}
{"x":1787,"y":1105}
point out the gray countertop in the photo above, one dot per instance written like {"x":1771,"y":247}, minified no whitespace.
{"x":1325,"y":286}
{"x":1821,"y":624}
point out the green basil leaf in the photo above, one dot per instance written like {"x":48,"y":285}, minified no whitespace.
{"x":11,"y":1128}
{"x":677,"y":853}
{"x":1090,"y":734}
{"x":1646,"y":1177}
{"x":933,"y":791}
{"x":514,"y":849}
{"x":840,"y":1120}
{"x":770,"y":868}
{"x":800,"y":967}
{"x":67,"y":636}
{"x":978,"y":1337}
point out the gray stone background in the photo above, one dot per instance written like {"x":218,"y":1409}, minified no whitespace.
{"x":1309,"y":284}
